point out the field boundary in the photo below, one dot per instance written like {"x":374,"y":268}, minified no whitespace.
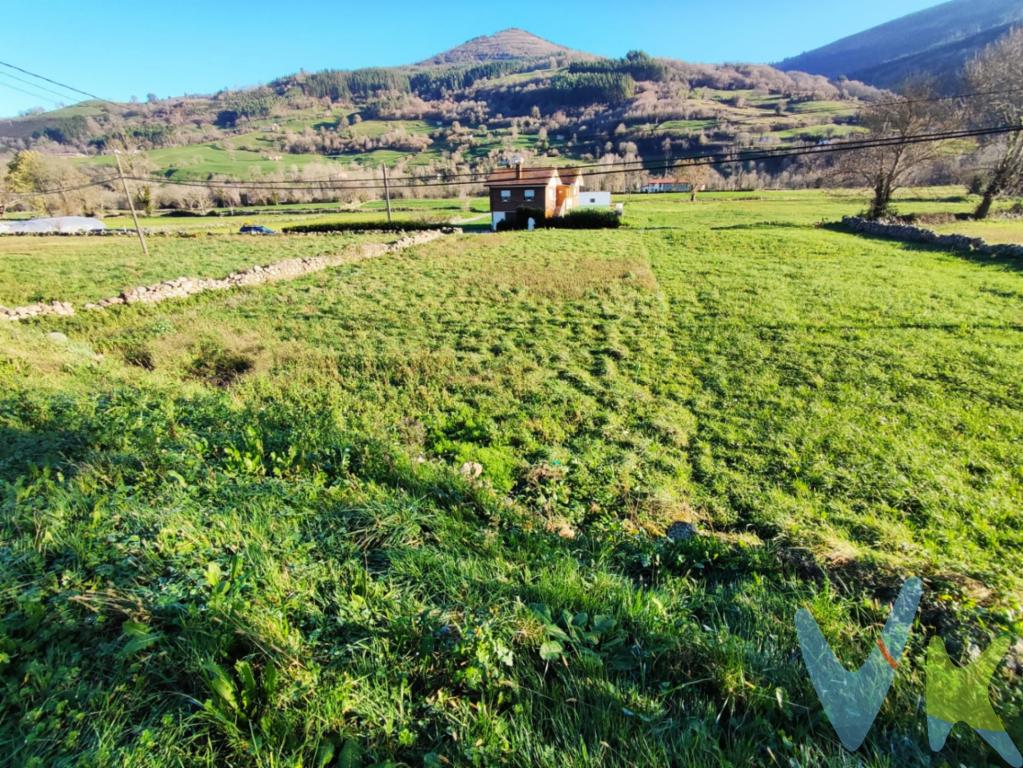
{"x":909,"y":234}
{"x":182,"y":287}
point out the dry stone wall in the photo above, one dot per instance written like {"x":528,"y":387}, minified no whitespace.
{"x":911,"y":234}
{"x":182,"y":287}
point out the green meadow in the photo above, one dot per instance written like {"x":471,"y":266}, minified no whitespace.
{"x":530,"y":499}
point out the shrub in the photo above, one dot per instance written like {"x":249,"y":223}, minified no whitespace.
{"x":586,"y":218}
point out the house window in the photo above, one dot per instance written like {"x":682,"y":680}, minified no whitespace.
{"x":505,"y":195}
{"x":530,"y":194}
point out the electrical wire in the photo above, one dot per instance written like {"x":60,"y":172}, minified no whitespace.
{"x":64,"y":190}
{"x":65,"y":86}
{"x":36,"y":86}
{"x":726,"y":157}
{"x":29,"y":93}
{"x":735,"y":155}
{"x":720,"y":158}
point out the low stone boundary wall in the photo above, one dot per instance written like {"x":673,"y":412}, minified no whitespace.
{"x":58,"y":308}
{"x":182,"y":287}
{"x":910,"y":234}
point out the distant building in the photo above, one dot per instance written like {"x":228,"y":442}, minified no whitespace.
{"x":554,"y":191}
{"x":665,"y":185}
{"x":61,"y":225}
{"x":594,"y":200}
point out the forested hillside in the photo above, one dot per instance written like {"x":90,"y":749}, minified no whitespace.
{"x":473,"y":107}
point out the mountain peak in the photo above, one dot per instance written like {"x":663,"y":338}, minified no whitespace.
{"x":508,"y":44}
{"x":935,"y":41}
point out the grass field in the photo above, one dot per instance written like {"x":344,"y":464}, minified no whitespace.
{"x":994,"y":231}
{"x":236,"y":530}
{"x":88,"y":269}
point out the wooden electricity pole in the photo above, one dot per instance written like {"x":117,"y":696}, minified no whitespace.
{"x":387,"y":194}
{"x":131,"y":204}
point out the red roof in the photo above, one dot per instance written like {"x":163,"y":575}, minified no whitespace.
{"x":570,"y":176}
{"x":529,"y":177}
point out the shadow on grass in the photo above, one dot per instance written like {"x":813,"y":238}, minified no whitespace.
{"x":50,"y":447}
{"x":946,"y":199}
{"x":904,"y":326}
{"x":761,"y":225}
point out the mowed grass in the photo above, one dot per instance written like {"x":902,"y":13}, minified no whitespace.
{"x":994,"y":231}
{"x":200,"y":161}
{"x":82,"y":269}
{"x":243,"y":536}
{"x":821,"y":132}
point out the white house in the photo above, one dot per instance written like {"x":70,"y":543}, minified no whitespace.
{"x":61,"y":225}
{"x":594,"y":200}
{"x":653,"y":186}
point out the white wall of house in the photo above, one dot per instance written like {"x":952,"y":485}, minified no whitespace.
{"x":594,"y":199}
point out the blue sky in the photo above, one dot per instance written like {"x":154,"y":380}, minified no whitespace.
{"x":184,"y":46}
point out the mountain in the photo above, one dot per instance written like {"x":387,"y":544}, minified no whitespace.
{"x":936,"y":41}
{"x":506,"y":45}
{"x":471,"y":108}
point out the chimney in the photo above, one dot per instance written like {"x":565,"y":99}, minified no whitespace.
{"x":518,"y":170}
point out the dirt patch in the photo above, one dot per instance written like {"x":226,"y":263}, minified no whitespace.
{"x":138,"y":355}
{"x":221,"y":367}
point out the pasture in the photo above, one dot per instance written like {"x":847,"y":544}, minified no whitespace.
{"x":415,"y":510}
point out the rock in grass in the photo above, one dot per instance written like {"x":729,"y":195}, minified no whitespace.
{"x":471,"y":470}
{"x":680,"y":531}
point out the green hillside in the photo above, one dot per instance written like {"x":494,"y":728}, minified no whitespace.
{"x":455,"y":113}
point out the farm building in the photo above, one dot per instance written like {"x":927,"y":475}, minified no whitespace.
{"x":554,"y":191}
{"x":665,"y":185}
{"x":594,"y":200}
{"x":61,"y":225}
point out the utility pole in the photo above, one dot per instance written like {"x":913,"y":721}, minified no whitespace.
{"x":131,"y":204}
{"x":387,"y":194}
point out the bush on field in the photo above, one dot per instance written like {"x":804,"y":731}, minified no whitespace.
{"x":586,"y":218}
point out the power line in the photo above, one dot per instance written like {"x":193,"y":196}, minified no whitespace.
{"x":721,"y":158}
{"x":472,"y":175}
{"x":861,"y":105}
{"x":30,"y":93}
{"x":717,"y":158}
{"x":475,"y":174}
{"x":36,"y":86}
{"x":65,"y":190}
{"x":473,"y":178}
{"x":65,"y":86}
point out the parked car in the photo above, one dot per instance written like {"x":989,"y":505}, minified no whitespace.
{"x":254,"y":229}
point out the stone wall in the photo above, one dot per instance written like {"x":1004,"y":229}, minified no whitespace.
{"x":59,"y":308}
{"x":910,"y":234}
{"x":188,"y":286}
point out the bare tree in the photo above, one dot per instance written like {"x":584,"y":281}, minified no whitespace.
{"x":898,"y":121}
{"x":696,"y":176}
{"x":994,"y":77}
